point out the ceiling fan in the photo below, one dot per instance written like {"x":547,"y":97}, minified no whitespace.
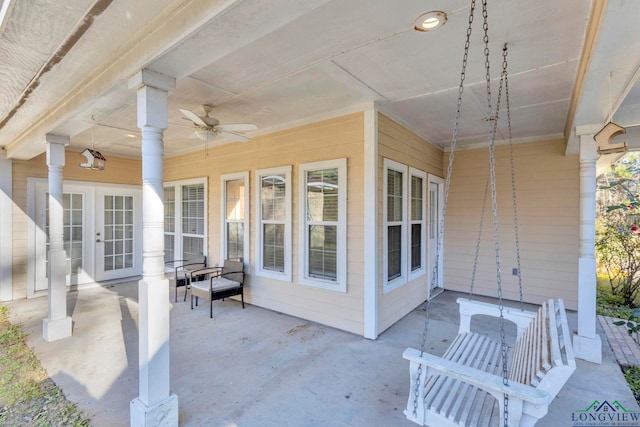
{"x":209,"y":127}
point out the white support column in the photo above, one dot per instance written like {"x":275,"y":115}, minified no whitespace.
{"x":58,"y":325}
{"x":371,"y":224}
{"x":587,"y":344}
{"x":6,"y":228}
{"x":155,"y":406}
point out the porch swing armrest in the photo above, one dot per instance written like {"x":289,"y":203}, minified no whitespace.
{"x":470,"y":308}
{"x":488,"y":382}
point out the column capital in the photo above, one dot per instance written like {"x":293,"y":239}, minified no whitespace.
{"x":51,"y":138}
{"x":146,"y":77}
{"x":588,"y":149}
{"x":55,"y":149}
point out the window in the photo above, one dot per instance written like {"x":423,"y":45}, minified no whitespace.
{"x":169,"y":223}
{"x":323,"y":228}
{"x":185,"y":219}
{"x":235,"y":219}
{"x":404,"y":239}
{"x":394,"y":199}
{"x":417,"y":220}
{"x":273,"y":219}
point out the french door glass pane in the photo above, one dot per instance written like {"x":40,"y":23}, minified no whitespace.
{"x":73,"y":229}
{"x":433,"y":209}
{"x":118,"y":234}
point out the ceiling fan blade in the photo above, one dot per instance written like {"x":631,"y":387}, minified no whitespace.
{"x":233,"y":136}
{"x":237,"y":127}
{"x":193,"y":117}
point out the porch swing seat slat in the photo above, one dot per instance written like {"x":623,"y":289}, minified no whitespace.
{"x":464,"y":387}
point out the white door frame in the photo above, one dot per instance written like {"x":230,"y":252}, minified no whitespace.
{"x":99,"y":232}
{"x":432,"y":233}
{"x":36,"y":237}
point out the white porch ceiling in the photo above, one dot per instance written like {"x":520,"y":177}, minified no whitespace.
{"x":281,"y":62}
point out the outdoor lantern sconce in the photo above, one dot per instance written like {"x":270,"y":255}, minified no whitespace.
{"x":95,"y":160}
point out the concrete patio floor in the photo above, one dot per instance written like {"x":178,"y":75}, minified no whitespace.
{"x":256,"y":367}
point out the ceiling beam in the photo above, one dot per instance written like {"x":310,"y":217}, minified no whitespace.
{"x":166,"y":31}
{"x":598,"y":9}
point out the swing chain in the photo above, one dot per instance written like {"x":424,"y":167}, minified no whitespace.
{"x":434,"y":276}
{"x":504,"y":82}
{"x":513,"y":174}
{"x":494,"y":205}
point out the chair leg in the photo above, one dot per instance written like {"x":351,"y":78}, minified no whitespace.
{"x":210,"y":308}
{"x":191,"y":301}
{"x":242,"y":298}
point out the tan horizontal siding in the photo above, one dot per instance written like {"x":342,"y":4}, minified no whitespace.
{"x":397,"y":143}
{"x":547,"y":190}
{"x":118,"y":170}
{"x":341,"y":137}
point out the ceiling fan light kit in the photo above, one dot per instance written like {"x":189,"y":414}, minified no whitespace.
{"x":209,"y":127}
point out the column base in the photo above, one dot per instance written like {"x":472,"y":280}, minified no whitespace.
{"x":53,"y":330}
{"x":588,"y":348}
{"x":162,"y":414}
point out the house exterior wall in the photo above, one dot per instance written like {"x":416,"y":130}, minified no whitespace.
{"x":337,"y":138}
{"x":548,"y":189}
{"x":397,"y":143}
{"x":118,"y":170}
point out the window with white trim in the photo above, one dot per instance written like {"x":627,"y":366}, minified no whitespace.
{"x":235,"y":219}
{"x":273,"y":219}
{"x":417,"y":223}
{"x":323,"y":224}
{"x":404,"y":222}
{"x":395,"y":224}
{"x":185,"y":219}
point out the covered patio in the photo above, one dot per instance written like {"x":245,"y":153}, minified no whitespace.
{"x":257,"y":367}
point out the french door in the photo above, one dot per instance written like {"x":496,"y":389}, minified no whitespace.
{"x":118,"y":238}
{"x":102,"y":232}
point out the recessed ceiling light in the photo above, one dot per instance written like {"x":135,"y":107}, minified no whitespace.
{"x":430,"y":21}
{"x":130,"y":135}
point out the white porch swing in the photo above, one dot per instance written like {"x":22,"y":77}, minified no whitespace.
{"x":478,"y":381}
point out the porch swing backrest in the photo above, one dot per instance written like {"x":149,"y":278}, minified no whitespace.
{"x":454,"y":389}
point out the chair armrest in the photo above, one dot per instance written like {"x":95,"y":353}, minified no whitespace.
{"x":470,"y":308}
{"x":491,"y":383}
{"x":205,"y":270}
{"x":232,"y":272}
{"x":190,"y":266}
{"x":175,"y":263}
